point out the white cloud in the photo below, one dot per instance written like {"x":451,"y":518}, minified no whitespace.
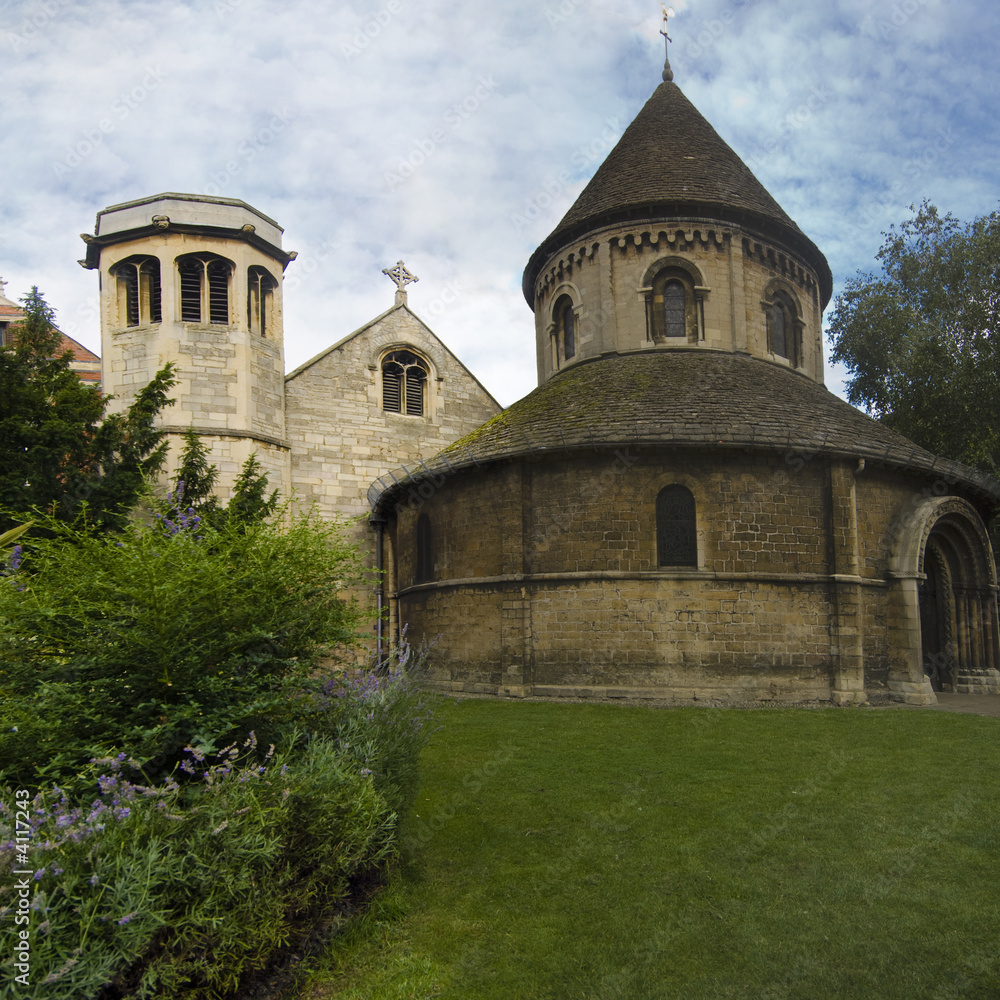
{"x":840,"y":107}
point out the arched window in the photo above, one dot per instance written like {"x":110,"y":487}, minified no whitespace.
{"x":676,"y":529}
{"x":404,"y":378}
{"x":783,"y":329}
{"x":260,"y":300}
{"x":565,"y":328}
{"x":425,"y":551}
{"x":138,"y":281}
{"x":204,"y":288}
{"x":671,"y":308}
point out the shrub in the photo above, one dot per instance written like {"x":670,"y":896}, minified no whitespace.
{"x":171,"y":633}
{"x":170,"y":889}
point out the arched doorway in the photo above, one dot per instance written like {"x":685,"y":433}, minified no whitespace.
{"x":957,"y":600}
{"x":944,"y":632}
{"x":936,"y":646}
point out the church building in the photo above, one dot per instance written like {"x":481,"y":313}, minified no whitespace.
{"x":680,"y":511}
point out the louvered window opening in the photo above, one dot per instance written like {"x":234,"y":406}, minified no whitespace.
{"x":204,"y":289}
{"x":260,"y":299}
{"x":676,"y":528}
{"x":139,"y":290}
{"x":403,"y":379}
{"x":673,"y":310}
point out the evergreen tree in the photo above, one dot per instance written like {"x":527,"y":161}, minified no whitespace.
{"x":58,"y":449}
{"x":248,"y":504}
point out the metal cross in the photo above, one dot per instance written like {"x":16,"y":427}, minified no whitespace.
{"x":3,"y":289}
{"x":400,"y":275}
{"x":668,"y":12}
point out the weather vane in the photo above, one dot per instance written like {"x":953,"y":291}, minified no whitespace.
{"x":402,"y":277}
{"x":668,"y":12}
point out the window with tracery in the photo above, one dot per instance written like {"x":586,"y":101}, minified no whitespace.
{"x":260,"y":300}
{"x":205,"y":281}
{"x":425,"y":553}
{"x":404,"y":383}
{"x":676,"y":527}
{"x":138,"y":280}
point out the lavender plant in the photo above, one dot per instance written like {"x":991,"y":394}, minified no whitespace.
{"x":170,"y":888}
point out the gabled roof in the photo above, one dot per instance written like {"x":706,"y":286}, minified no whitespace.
{"x":374,"y":322}
{"x":695,"y":398}
{"x":670,"y":162}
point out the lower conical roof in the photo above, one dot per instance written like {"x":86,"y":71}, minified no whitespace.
{"x":684,"y":398}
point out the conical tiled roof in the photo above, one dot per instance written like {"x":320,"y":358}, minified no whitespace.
{"x":689,"y":399}
{"x":671,"y":162}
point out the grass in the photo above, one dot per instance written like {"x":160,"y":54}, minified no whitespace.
{"x":595,"y":852}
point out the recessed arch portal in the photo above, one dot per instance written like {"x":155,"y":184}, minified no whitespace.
{"x":946,"y":584}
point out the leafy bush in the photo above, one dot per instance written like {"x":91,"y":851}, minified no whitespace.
{"x":170,"y":633}
{"x":159,"y":891}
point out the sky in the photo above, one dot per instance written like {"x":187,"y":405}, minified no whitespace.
{"x":443,"y":133}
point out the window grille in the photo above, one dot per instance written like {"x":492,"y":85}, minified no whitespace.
{"x":404,"y":377}
{"x":138,"y":290}
{"x":260,"y":300}
{"x":204,"y":288}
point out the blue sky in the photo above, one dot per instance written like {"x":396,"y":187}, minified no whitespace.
{"x":437,"y":133}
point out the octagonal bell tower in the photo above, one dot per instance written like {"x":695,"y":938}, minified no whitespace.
{"x":196,"y":281}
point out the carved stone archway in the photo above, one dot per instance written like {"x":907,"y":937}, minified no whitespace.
{"x":944,"y":630}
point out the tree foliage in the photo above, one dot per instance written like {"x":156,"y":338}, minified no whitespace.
{"x":166,"y":633}
{"x":59,"y":450}
{"x":922,"y":339}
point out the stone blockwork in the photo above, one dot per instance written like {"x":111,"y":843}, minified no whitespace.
{"x":341,"y":437}
{"x":733,"y":276}
{"x":229,"y":369}
{"x":550,"y":565}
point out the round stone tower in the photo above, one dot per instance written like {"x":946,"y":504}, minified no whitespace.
{"x":681,"y":510}
{"x":674,"y":244}
{"x":197,"y":281}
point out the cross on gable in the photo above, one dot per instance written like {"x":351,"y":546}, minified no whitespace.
{"x":400,"y":275}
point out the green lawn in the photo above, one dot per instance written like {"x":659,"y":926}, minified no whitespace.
{"x":603,"y":851}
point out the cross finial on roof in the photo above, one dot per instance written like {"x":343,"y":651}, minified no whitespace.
{"x":402,"y":277}
{"x":668,"y":73}
{"x":3,"y":289}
